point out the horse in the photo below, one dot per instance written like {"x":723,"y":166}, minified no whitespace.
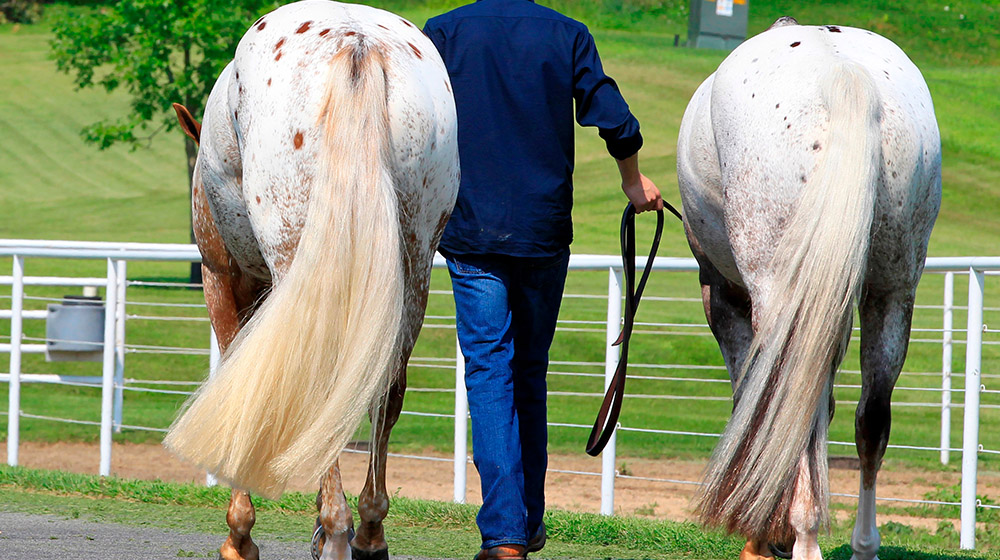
{"x":327,"y":169}
{"x":809,"y":167}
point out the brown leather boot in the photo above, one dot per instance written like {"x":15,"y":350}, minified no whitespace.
{"x":537,"y":542}
{"x":502,"y":552}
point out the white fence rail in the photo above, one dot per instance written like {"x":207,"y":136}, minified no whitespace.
{"x":112,"y":382}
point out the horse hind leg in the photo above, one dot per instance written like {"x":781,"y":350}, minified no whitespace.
{"x":804,"y":514}
{"x":727,"y":308}
{"x":885,"y":332}
{"x":230,"y":297}
{"x":335,"y":525}
{"x":373,"y":502}
{"x":240,"y":517}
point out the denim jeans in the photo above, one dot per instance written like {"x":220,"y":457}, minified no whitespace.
{"x":506,"y":310}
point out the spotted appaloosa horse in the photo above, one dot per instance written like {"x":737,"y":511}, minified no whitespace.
{"x":327,"y":169}
{"x":810,"y":171}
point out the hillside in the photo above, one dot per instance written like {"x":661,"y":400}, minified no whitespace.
{"x":53,"y":185}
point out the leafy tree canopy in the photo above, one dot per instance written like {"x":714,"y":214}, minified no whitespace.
{"x":160,"y":51}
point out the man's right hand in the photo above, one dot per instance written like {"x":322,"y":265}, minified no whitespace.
{"x":643,"y":195}
{"x":639,"y":189}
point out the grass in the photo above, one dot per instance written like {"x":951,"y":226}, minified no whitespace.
{"x":421,"y":528}
{"x":53,"y":186}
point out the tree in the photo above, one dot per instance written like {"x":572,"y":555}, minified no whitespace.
{"x":160,"y":52}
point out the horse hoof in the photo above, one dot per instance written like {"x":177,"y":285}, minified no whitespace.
{"x":777,"y":552}
{"x":360,"y":554}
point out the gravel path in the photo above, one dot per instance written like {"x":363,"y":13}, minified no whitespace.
{"x":35,"y":537}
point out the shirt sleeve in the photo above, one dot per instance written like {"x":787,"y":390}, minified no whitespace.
{"x":435,"y":35}
{"x":599,"y":102}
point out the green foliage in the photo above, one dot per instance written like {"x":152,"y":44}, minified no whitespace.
{"x":944,"y":32}
{"x":159,"y":52}
{"x":20,"y":11}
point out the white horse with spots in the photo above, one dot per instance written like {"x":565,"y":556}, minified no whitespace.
{"x":327,"y":169}
{"x":810,"y":171}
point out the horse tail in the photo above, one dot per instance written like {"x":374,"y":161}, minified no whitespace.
{"x":782,"y":401}
{"x":322,"y":349}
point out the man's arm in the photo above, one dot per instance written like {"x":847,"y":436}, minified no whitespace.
{"x":639,"y":189}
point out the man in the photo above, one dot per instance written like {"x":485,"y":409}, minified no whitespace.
{"x":516,"y":70}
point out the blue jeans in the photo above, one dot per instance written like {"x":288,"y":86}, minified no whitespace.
{"x":506,"y":310}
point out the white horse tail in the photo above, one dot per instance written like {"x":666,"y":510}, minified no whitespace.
{"x":322,"y":349}
{"x":782,"y":400}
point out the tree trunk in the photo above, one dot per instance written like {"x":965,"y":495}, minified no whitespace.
{"x":192,"y":156}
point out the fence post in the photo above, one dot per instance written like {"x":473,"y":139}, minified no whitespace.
{"x":610,"y":365}
{"x":16,"y":331}
{"x":461,"y":427}
{"x":120,"y":346}
{"x":946,"y":340}
{"x":970,"y":429}
{"x":108,"y":378}
{"x":214,"y":355}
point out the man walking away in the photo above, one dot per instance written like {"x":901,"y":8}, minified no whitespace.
{"x":517,"y":69}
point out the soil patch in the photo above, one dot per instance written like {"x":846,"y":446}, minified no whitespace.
{"x":650,"y":488}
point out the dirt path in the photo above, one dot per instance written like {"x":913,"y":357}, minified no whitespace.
{"x":433,"y":480}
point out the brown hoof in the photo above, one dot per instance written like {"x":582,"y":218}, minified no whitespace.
{"x":751,"y":551}
{"x":360,"y":554}
{"x":246,"y":550}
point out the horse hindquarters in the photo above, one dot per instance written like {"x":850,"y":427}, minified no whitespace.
{"x":319,"y":351}
{"x":772,"y":453}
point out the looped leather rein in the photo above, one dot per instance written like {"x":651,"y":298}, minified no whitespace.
{"x":607,"y":417}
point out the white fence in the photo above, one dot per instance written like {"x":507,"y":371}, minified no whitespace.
{"x":112,"y":382}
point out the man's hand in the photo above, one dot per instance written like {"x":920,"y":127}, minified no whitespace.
{"x":639,"y":189}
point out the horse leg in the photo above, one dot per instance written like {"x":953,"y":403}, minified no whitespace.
{"x":804,"y":513}
{"x":727,"y":309}
{"x":230,"y":297}
{"x":373,"y":503}
{"x":224,"y":308}
{"x":335,"y":525}
{"x":240,"y":517}
{"x":885,"y":332}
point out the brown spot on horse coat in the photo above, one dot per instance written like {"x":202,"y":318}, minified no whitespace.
{"x":269,"y":82}
{"x":279,"y":43}
{"x":408,"y":24}
{"x":350,"y":33}
{"x":278,"y":56}
{"x":262,"y":25}
{"x":304,"y":27}
{"x":796,"y":43}
{"x":324,"y":32}
{"x":416,"y":51}
{"x":298,"y":140}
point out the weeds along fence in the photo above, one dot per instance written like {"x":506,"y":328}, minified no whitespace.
{"x":676,"y":406}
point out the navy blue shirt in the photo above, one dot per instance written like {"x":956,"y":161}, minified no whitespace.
{"x":516,"y":69}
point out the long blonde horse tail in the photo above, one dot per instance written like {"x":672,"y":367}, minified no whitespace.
{"x":322,"y":349}
{"x":782,"y":407}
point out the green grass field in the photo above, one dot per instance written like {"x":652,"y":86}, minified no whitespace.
{"x":421,"y":528}
{"x":53,"y":186}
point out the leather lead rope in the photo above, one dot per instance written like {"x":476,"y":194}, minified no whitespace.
{"x":607,"y":417}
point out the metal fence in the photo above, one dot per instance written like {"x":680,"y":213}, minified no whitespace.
{"x":113,"y":383}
